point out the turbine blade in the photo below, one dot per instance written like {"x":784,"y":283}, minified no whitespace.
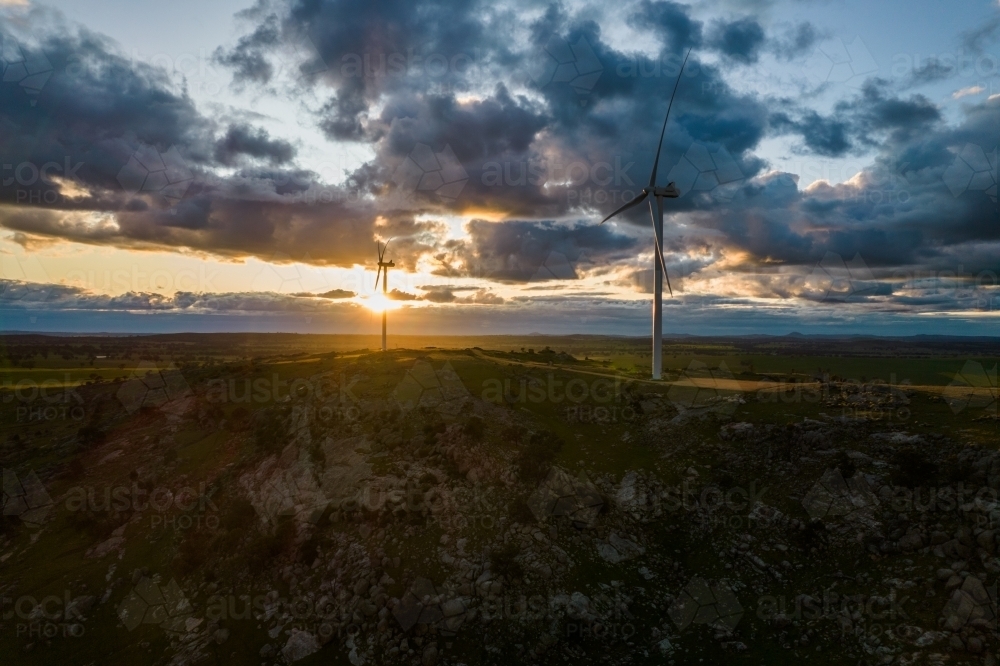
{"x":659,"y":145}
{"x":377,"y":276}
{"x":634,"y":202}
{"x":658,"y":208}
{"x":378,"y":251}
{"x":666,"y":274}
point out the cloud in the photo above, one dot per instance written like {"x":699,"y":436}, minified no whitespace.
{"x":858,"y":125}
{"x":968,"y":92}
{"x":523,"y":251}
{"x":467,"y":130}
{"x":824,"y":136}
{"x":742,"y":40}
{"x":397,"y":295}
{"x":932,"y":70}
{"x":242,"y":140}
{"x":674,"y":20}
{"x":69,"y":298}
{"x":333,"y":294}
{"x":796,"y":41}
{"x":976,"y":39}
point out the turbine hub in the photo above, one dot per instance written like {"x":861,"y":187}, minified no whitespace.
{"x":670,"y":191}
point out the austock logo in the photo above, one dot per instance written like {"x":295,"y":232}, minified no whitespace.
{"x":48,"y":400}
{"x":25,"y":498}
{"x":294,"y":492}
{"x":708,"y":169}
{"x":573,"y":64}
{"x":27,"y":68}
{"x":424,"y":386}
{"x":972,"y":605}
{"x":973,"y":386}
{"x":182,"y":508}
{"x":421,"y":605}
{"x":555,"y":267}
{"x":973,"y":170}
{"x":29,"y":281}
{"x":282,"y":274}
{"x":424,"y":170}
{"x":562,"y":495}
{"x":702,"y":389}
{"x":835,"y":496}
{"x":837,"y":62}
{"x":163,"y":606}
{"x":150,"y":386}
{"x":830,"y":604}
{"x":837,"y":281}
{"x":302,"y":59}
{"x":711,"y":604}
{"x":150,"y":172}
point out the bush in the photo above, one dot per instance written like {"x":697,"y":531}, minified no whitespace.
{"x":475,"y":427}
{"x":536,"y":457}
{"x":845,"y":465}
{"x":520,"y":512}
{"x":268,"y":547}
{"x":503,"y":562}
{"x":914,"y":469}
{"x":431,"y":431}
{"x":91,"y":435}
{"x":269,"y":432}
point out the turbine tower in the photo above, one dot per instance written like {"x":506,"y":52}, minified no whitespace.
{"x":656,"y":216}
{"x":386,"y":265}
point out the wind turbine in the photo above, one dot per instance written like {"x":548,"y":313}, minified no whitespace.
{"x":656,"y":216}
{"x":385,"y":282}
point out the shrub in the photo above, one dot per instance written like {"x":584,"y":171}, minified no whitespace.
{"x":503,"y":562}
{"x":536,"y":457}
{"x":914,"y":469}
{"x":475,"y":427}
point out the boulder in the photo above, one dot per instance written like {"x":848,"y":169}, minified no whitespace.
{"x":300,"y":645}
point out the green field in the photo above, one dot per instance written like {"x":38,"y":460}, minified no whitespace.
{"x":288,"y":468}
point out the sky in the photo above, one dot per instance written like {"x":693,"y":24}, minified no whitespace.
{"x":230,"y":166}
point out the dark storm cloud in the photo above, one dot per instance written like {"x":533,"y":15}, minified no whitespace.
{"x":95,"y":110}
{"x":877,"y":111}
{"x":671,"y":18}
{"x":243,"y":140}
{"x":121,"y":138}
{"x":915,"y":206}
{"x":521,"y":251}
{"x":496,"y":129}
{"x":476,"y":123}
{"x":868,"y":120}
{"x":70,"y":298}
{"x":740,"y":40}
{"x":824,"y":136}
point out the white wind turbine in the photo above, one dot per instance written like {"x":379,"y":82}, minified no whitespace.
{"x":383,"y":265}
{"x":656,"y":216}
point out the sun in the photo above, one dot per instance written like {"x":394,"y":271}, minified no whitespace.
{"x":379,"y":302}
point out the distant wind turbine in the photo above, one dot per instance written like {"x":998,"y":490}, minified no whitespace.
{"x":386,"y":265}
{"x":656,"y":216}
